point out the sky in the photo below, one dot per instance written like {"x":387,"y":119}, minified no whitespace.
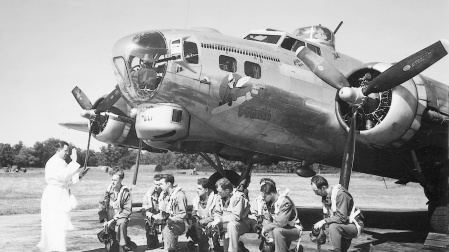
{"x":48,"y":47}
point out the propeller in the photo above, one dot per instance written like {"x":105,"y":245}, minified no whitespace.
{"x":93,"y":112}
{"x":358,"y":97}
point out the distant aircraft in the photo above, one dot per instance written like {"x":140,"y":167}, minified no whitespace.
{"x":275,"y":96}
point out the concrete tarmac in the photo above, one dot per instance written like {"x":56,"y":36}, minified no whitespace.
{"x":386,"y":230}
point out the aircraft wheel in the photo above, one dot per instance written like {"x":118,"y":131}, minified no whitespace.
{"x":439,"y":208}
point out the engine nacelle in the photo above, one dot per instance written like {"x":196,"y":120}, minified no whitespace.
{"x":162,"y":122}
{"x":111,"y":130}
{"x":398,"y":115}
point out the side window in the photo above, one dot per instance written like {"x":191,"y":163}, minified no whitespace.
{"x":227,"y":64}
{"x":191,"y":52}
{"x":316,"y":49}
{"x":252,"y":70}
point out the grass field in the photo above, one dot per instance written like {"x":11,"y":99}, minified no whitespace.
{"x":21,"y":192}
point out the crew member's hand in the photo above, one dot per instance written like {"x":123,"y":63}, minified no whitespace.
{"x":74,"y":156}
{"x":319,"y":224}
{"x":109,"y":223}
{"x":213,"y":223}
{"x":157,"y":217}
{"x":149,"y":215}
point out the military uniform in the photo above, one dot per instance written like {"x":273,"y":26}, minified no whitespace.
{"x":150,"y":206}
{"x":120,"y":208}
{"x":344,"y":219}
{"x":203,"y":214}
{"x":232,"y":214}
{"x":284,"y":223}
{"x":175,"y":204}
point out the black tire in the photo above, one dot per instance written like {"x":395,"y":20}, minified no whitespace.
{"x":233,"y":177}
{"x":439,"y":208}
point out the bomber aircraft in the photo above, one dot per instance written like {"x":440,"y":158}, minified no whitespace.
{"x":277,"y":96}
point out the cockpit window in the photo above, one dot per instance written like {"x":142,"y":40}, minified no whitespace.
{"x":291,"y":44}
{"x":270,"y":39}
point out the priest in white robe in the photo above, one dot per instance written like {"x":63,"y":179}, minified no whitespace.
{"x":57,"y":200}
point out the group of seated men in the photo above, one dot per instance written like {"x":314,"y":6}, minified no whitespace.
{"x":222,"y":215}
{"x":227,"y":214}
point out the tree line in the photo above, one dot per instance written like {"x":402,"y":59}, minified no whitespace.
{"x":115,"y":156}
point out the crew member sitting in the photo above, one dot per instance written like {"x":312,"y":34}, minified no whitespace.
{"x":175,"y":205}
{"x":119,"y":209}
{"x":203,"y":205}
{"x":231,"y":213}
{"x":283,"y":222}
{"x":343,"y":218}
{"x":150,"y":207}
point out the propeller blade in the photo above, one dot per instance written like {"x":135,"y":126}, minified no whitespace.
{"x":80,"y":126}
{"x":81,"y":98}
{"x":348,"y":155}
{"x":110,"y":100}
{"x":322,"y":68}
{"x":137,"y":163}
{"x":408,"y":68}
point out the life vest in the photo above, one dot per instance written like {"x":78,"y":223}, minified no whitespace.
{"x":277,"y":207}
{"x":354,"y":211}
{"x":209,"y":205}
{"x":235,"y":196}
{"x":171,"y":204}
{"x":116,"y":205}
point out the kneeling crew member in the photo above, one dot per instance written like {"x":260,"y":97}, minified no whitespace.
{"x":175,"y":204}
{"x":119,"y":210}
{"x":231,"y":211}
{"x":343,"y":219}
{"x":283,"y":222}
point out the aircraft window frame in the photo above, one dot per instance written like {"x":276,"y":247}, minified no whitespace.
{"x":191,"y":53}
{"x":269,"y":38}
{"x":224,"y":63}
{"x":288,"y":43}
{"x":122,"y":74}
{"x":314,"y":48}
{"x":252,"y":69}
{"x":293,"y":47}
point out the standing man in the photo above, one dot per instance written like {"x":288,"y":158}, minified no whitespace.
{"x":119,"y":210}
{"x":342,"y":218}
{"x":150,"y":207}
{"x":57,"y":200}
{"x":203,"y":205}
{"x":231,"y":212}
{"x":175,"y":205}
{"x":283,"y":222}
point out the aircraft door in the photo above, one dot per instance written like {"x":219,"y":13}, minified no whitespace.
{"x":188,"y":61}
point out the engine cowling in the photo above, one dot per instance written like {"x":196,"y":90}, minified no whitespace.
{"x":397,"y":116}
{"x":111,"y":130}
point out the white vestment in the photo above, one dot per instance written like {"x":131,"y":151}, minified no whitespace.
{"x":56,"y":203}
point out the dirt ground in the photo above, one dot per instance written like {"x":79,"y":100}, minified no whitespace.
{"x":394,"y":233}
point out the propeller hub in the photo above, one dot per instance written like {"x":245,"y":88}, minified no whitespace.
{"x":353,"y":96}
{"x":88,"y":113}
